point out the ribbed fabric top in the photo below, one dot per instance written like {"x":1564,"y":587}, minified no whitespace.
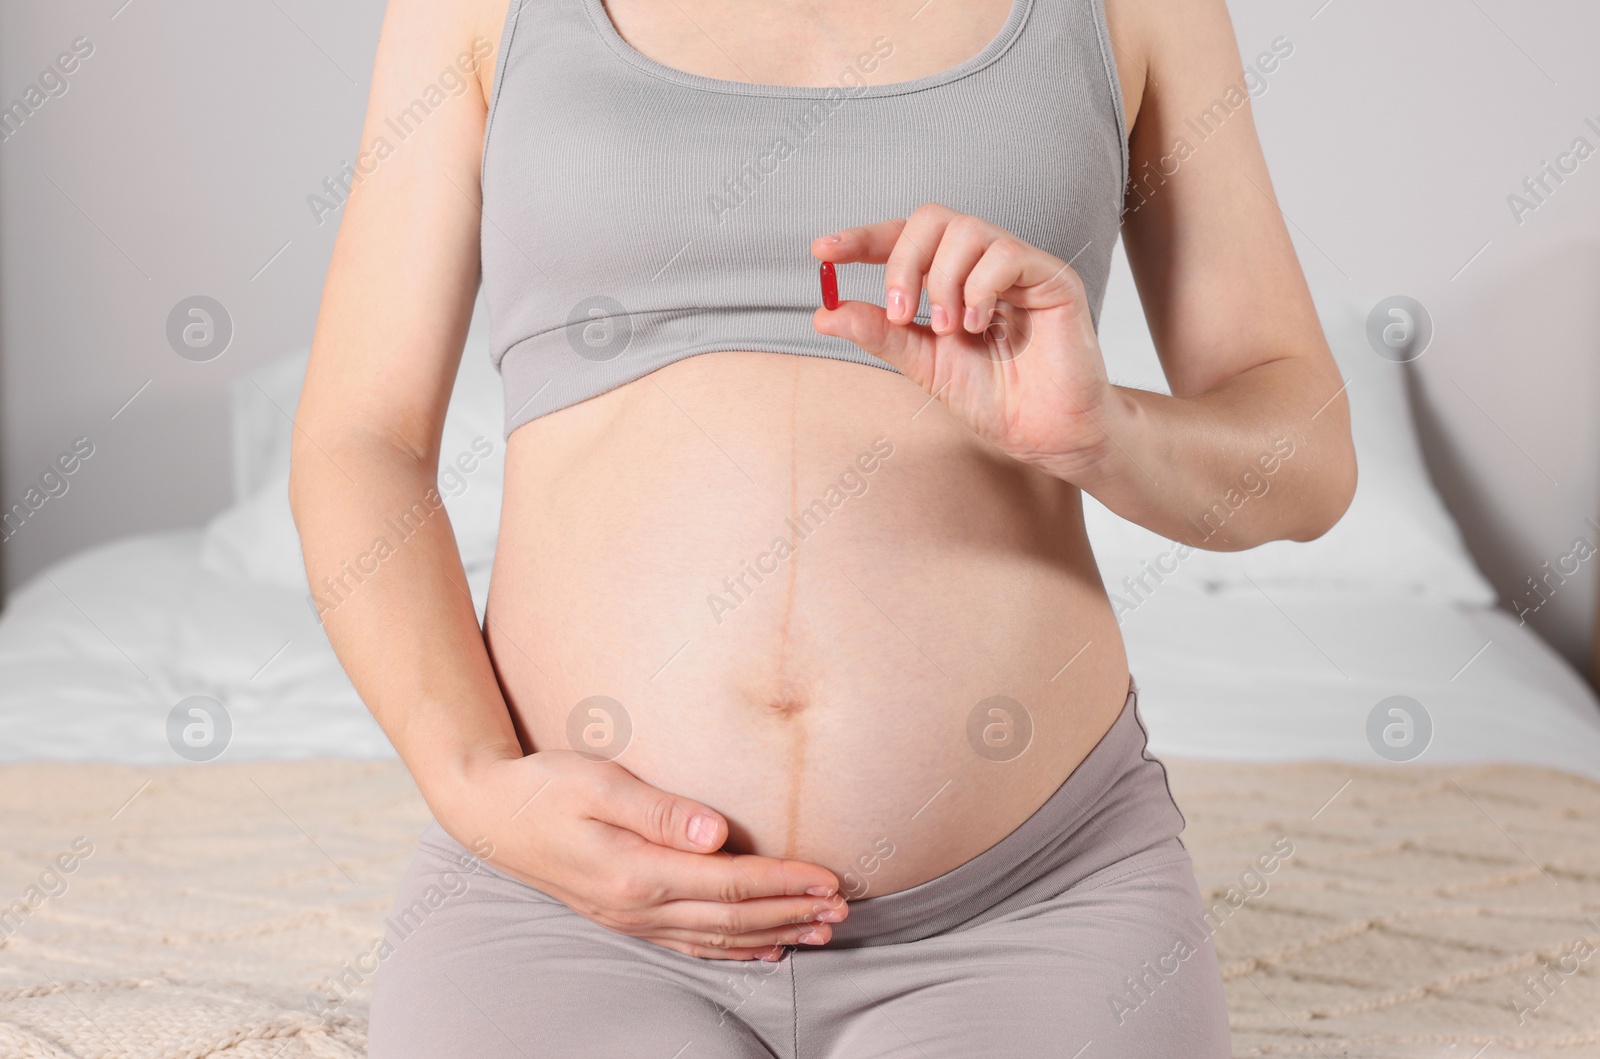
{"x":635,"y":214}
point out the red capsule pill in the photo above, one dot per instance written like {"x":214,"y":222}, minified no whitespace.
{"x":830,"y":286}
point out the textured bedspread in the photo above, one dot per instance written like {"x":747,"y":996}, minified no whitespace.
{"x":231,"y":910}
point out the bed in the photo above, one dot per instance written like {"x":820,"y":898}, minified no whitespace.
{"x":1443,"y":854}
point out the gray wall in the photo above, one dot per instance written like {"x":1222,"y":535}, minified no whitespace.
{"x":180,"y":157}
{"x":177,"y":163}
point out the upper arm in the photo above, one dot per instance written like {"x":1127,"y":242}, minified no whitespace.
{"x":1216,"y":271}
{"x":405,"y":267}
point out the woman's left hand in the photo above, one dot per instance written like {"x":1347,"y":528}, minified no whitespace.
{"x":1012,"y":349}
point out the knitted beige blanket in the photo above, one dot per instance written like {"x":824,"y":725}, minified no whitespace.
{"x":194,"y":912}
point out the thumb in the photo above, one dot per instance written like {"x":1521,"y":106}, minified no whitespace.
{"x":908,"y":347}
{"x":664,"y":819}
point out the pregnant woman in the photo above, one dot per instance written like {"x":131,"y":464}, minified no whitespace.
{"x":799,"y":724}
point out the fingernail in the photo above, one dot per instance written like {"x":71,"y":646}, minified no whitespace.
{"x":820,"y":891}
{"x":830,"y":915}
{"x":810,"y":937}
{"x":834,"y":238}
{"x":701,"y":830}
{"x":774,"y":956}
{"x":897,"y":302}
{"x":972,"y":318}
{"x":938,"y":318}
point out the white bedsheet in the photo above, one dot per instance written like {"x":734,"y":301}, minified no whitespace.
{"x":1241,"y":676}
{"x":95,"y":652}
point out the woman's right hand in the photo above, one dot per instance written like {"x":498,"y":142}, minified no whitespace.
{"x":397,"y":305}
{"x":636,"y":859}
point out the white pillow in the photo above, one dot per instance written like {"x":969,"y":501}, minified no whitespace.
{"x":256,"y":539}
{"x":1397,"y":534}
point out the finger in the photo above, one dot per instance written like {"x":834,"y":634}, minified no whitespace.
{"x":872,"y":244}
{"x":749,"y":918}
{"x":906,"y":246}
{"x":657,"y":816}
{"x":962,"y":244}
{"x":908,"y":347}
{"x":724,"y":877}
{"x":1023,"y":275}
{"x":866,"y":243}
{"x":807,"y":934}
{"x":911,"y":258}
{"x":741,"y":924}
{"x":996,"y":272}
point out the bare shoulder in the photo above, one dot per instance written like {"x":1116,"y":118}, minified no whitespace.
{"x":1161,"y":43}
{"x":420,"y":35}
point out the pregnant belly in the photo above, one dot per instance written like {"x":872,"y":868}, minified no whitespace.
{"x":798,"y":591}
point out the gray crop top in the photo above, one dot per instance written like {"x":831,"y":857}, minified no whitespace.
{"x":635,"y":214}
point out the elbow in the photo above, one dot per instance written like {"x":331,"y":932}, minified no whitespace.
{"x":310,"y":465}
{"x":300,"y":475}
{"x":1333,"y":493}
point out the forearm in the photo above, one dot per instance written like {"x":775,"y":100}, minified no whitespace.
{"x":1265,"y":456}
{"x":386,"y":574}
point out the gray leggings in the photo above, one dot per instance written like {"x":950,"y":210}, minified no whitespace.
{"x":1080,"y":934}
